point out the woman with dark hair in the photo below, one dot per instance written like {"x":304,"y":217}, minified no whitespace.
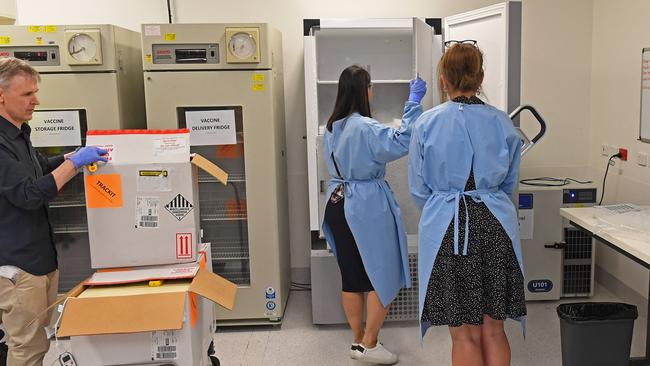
{"x":362,"y":220}
{"x":463,"y":167}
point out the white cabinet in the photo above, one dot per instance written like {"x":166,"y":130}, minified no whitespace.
{"x":394,"y":51}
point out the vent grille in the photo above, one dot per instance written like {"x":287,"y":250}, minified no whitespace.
{"x":405,"y":305}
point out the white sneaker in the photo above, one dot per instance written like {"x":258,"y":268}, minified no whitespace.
{"x":379,"y":355}
{"x":355,"y":347}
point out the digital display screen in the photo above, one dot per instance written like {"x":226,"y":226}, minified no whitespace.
{"x":586,"y":195}
{"x":31,"y":55}
{"x":191,"y":55}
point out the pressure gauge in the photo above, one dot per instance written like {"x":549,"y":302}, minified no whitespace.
{"x":243,"y":45}
{"x":83,"y":47}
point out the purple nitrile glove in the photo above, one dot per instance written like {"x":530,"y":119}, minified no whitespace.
{"x":418,"y":88}
{"x":87,"y":155}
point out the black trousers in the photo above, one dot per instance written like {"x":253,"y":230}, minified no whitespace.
{"x":353,"y":274}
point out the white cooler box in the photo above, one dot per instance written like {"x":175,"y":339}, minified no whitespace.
{"x":143,"y":204}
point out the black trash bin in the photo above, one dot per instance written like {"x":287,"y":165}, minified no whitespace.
{"x":596,"y":333}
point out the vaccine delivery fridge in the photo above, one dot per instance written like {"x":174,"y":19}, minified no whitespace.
{"x":224,"y":82}
{"x":91,"y":78}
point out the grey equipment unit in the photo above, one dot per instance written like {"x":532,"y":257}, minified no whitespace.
{"x":225,"y":83}
{"x":558,"y":258}
{"x":91,"y":78}
{"x":394,"y":51}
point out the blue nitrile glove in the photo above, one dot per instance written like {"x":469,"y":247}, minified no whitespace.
{"x":418,"y":88}
{"x":87,"y":155}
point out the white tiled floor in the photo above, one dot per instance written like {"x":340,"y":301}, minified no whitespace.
{"x":298,"y":342}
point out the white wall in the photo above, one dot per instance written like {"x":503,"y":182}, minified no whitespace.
{"x":556,"y":79}
{"x":620,"y":31}
{"x":7,"y":11}
{"x":287,"y":16}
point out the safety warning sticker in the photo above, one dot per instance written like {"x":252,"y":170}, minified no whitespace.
{"x":179,"y":207}
{"x":146,"y":212}
{"x":183,"y":245}
{"x":104,"y":191}
{"x":164,"y":345}
{"x":154,"y":180}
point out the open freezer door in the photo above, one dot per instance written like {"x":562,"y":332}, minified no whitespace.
{"x":497,"y":30}
{"x":423,"y":58}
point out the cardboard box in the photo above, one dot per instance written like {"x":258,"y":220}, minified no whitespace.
{"x":143,"y":205}
{"x":137,"y":324}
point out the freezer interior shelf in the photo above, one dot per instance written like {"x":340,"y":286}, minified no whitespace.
{"x":70,"y":229}
{"x":237,"y":277}
{"x":230,"y":250}
{"x":232,"y":177}
{"x":60,"y":203}
{"x":212,"y":210}
{"x":394,"y":81}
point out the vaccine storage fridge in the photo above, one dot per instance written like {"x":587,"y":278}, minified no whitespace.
{"x":91,"y":78}
{"x":393,"y":51}
{"x":224,"y":82}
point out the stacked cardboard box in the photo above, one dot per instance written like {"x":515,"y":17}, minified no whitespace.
{"x":143,"y":223}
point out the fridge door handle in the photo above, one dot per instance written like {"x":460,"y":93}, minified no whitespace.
{"x":560,"y":245}
{"x":322,"y":186}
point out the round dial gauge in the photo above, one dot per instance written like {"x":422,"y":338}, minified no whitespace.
{"x":242,"y":45}
{"x":82,"y":47}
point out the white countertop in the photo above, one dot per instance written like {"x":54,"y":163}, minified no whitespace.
{"x":588,"y":218}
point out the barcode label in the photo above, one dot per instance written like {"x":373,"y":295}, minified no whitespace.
{"x":164,"y":345}
{"x":165,"y":355}
{"x":146,"y":212}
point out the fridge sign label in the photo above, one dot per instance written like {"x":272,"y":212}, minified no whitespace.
{"x":211,"y":127}
{"x":55,"y":128}
{"x":183,"y":245}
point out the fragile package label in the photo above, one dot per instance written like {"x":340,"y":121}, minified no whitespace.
{"x":170,"y":146}
{"x":146,"y":212}
{"x":104,"y":191}
{"x":164,"y":345}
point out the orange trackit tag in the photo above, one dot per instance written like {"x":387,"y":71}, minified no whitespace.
{"x":104,"y":191}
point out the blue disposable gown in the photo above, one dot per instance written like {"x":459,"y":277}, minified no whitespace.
{"x":362,"y":147}
{"x":447,"y":142}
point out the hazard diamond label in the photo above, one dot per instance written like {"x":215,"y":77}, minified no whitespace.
{"x":183,"y":245}
{"x":179,"y":207}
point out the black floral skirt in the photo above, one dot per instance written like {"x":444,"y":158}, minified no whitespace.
{"x":487,"y":281}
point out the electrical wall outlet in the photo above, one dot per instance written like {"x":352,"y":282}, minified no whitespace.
{"x":613,"y":149}
{"x":642,"y":159}
{"x":604,"y":149}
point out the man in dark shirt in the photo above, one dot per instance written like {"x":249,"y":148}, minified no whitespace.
{"x":28,"y":181}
